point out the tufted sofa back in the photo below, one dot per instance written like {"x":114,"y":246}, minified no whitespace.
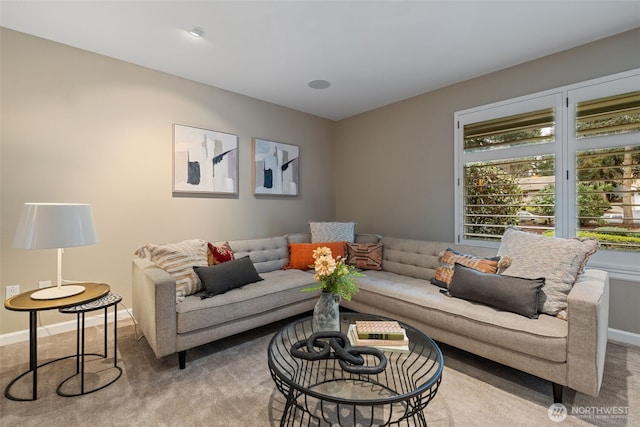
{"x":414,"y":258}
{"x":420,"y":258}
{"x":267,"y":254}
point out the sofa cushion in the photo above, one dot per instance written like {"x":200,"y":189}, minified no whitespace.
{"x":513,"y":294}
{"x":301,"y":254}
{"x":219,"y":254}
{"x":332,"y":231}
{"x":545,"y":337}
{"x":559,"y":261}
{"x":366,"y":256}
{"x":278,"y":288}
{"x":450,"y":257}
{"x":220,"y":278}
{"x":178,"y":259}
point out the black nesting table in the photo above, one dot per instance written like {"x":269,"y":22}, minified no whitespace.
{"x":322,"y":392}
{"x":24,"y":302}
{"x":109,"y":300}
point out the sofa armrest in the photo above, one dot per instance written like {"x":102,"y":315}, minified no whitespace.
{"x":154,"y":305}
{"x":588,"y":309}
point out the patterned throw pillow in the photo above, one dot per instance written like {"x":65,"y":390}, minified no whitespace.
{"x":450,"y":257}
{"x":219,"y":254}
{"x":332,"y":231}
{"x":367,"y":256}
{"x":559,"y":261}
{"x":301,"y":254}
{"x":178,"y":259}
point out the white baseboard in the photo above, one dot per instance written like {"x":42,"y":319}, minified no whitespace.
{"x":59,"y":328}
{"x":624,"y":337}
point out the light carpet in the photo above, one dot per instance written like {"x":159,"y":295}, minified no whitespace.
{"x":227,"y":383}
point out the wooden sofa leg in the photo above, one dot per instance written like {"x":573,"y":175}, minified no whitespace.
{"x":557,"y":393}
{"x":182,"y":359}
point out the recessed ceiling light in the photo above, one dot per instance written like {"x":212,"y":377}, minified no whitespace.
{"x":196,"y":32}
{"x":319,"y":84}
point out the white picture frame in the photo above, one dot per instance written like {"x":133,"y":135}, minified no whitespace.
{"x":205,"y":161}
{"x":276,"y":168}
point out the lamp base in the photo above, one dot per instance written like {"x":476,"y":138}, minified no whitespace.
{"x":56,"y":292}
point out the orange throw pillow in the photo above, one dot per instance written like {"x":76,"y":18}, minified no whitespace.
{"x":301,"y":254}
{"x":450,"y":257}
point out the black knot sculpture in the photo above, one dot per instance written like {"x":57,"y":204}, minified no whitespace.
{"x":318,"y":346}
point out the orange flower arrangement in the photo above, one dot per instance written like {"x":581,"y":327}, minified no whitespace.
{"x":333,"y":275}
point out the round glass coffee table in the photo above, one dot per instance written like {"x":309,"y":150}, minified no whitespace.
{"x":323,"y":392}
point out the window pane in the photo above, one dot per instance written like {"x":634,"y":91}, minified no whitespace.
{"x":608,"y":197}
{"x":508,"y":192}
{"x":608,"y":116}
{"x":529,"y":128}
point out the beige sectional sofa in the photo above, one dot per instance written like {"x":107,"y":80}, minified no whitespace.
{"x":566,"y":352}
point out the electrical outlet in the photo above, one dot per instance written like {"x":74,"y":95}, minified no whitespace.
{"x":12,"y":291}
{"x":44,"y":284}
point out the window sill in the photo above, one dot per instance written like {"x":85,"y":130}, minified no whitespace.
{"x":620,"y":266}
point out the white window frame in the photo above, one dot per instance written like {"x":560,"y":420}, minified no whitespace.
{"x":620,"y":265}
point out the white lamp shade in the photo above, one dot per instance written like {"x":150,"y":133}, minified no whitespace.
{"x":55,"y":225}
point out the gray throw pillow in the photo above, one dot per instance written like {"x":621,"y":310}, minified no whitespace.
{"x":332,"y":232}
{"x":220,"y":278}
{"x":513,"y":294}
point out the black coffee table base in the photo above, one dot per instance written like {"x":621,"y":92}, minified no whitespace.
{"x":322,"y":393}
{"x":301,"y":409}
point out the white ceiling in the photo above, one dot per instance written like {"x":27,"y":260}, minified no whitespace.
{"x":373,"y":52}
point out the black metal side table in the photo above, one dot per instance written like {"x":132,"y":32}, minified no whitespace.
{"x":103,"y":303}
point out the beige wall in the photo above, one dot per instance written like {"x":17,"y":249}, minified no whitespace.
{"x":79,"y":127}
{"x":397,"y":161}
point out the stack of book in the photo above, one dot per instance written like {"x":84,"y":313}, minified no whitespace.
{"x":382,"y":334}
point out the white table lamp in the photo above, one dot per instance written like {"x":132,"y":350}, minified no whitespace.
{"x":55,"y":226}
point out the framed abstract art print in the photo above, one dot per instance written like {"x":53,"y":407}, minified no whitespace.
{"x":204,"y":161}
{"x":275,"y":168}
